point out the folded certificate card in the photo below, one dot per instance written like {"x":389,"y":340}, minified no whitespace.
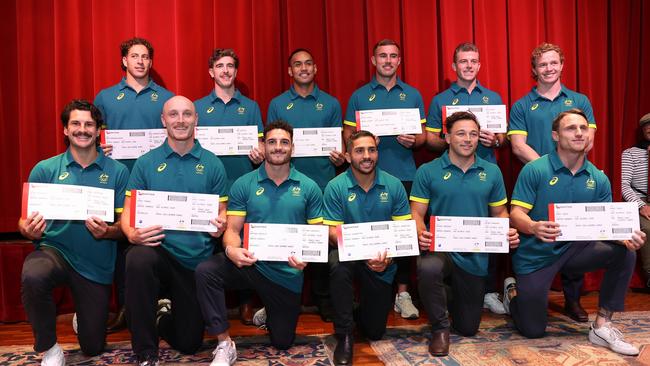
{"x":365,"y":240}
{"x":131,"y":144}
{"x":277,"y":242}
{"x":469,"y":234}
{"x":316,"y":141}
{"x":174,"y":210}
{"x":387,"y":122}
{"x":595,"y":221}
{"x":67,"y":202}
{"x":491,"y":117}
{"x":227,"y":140}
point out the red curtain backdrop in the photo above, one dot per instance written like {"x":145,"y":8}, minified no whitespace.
{"x":57,"y":50}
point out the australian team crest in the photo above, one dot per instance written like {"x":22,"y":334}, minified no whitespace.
{"x":482,"y":176}
{"x":199,"y":168}
{"x":154,"y":97}
{"x":383,"y":197}
{"x":319,"y":106}
{"x":295,"y":191}
{"x":568,"y":102}
{"x":591,"y":183}
{"x":103,"y":178}
{"x":241,"y":110}
{"x":485,"y":99}
{"x":402,"y":96}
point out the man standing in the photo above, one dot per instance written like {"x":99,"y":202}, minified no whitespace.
{"x":274,"y":193}
{"x":563,"y":176}
{"x":305,"y":105}
{"x":167,"y":259}
{"x":364,"y":193}
{"x":387,"y":91}
{"x":134,"y":103}
{"x":634,"y":186}
{"x":80,"y":255}
{"x":530,"y":133}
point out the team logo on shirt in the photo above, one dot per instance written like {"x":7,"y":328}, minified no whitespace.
{"x":259,"y":191}
{"x":161,"y":167}
{"x":352,"y":197}
{"x":553,"y":181}
{"x":209,"y":110}
{"x":199,"y":168}
{"x":120,"y":96}
{"x":383,"y":197}
{"x":241,"y":110}
{"x":534,"y":106}
{"x":372,"y":97}
{"x":154,"y":97}
{"x":103,"y":178}
{"x":289,"y":106}
{"x":402,"y":96}
{"x":482,"y":176}
{"x":64,"y":175}
{"x":446,"y":176}
{"x":486,"y":99}
{"x":591,"y":184}
{"x":295,"y":191}
{"x":319,"y":106}
{"x":454,"y":101}
{"x":568,"y":102}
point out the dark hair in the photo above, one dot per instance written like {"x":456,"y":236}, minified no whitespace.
{"x":451,"y":120}
{"x":81,"y":105}
{"x":357,"y":135}
{"x":575,"y":111}
{"x":542,"y":49}
{"x":126,"y":46}
{"x":385,"y":42}
{"x":293,"y":53}
{"x":223,"y":52}
{"x":278,"y":125}
{"x":465,"y":47}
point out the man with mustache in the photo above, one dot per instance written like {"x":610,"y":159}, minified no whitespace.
{"x":134,"y":103}
{"x":364,"y":193}
{"x":530,"y":134}
{"x":80,"y":255}
{"x":459,"y":183}
{"x":564,"y":176}
{"x":166,"y":259}
{"x":387,"y":91}
{"x":273,"y":193}
{"x":305,"y":105}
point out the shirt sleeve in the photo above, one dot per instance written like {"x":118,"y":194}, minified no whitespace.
{"x":498,"y":193}
{"x":238,"y":197}
{"x":434,"y":119}
{"x":272,"y":114}
{"x":99,"y":103}
{"x":585,"y":105}
{"x":419,"y":103}
{"x":257,"y":119}
{"x":525,"y":192}
{"x":314,"y":207}
{"x":517,"y":125}
{"x":420,"y":189}
{"x":38,"y":174}
{"x":604,"y":188}
{"x":627,"y":171}
{"x":401,"y":209}
{"x":219,"y":181}
{"x":120,"y":188}
{"x":333,"y":211}
{"x":351,"y":112}
{"x":138,"y":179}
{"x":336,"y":117}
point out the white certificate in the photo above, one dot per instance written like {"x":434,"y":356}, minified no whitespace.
{"x":469,"y":234}
{"x":595,"y":221}
{"x":316,"y":141}
{"x":68,"y":202}
{"x":277,"y":242}
{"x":228,"y":140}
{"x":174,"y":210}
{"x":387,"y":122}
{"x":491,"y":117}
{"x":131,"y":144}
{"x":365,"y":240}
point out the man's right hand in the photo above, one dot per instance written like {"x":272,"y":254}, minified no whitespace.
{"x":545,"y":231}
{"x":151,"y":236}
{"x":240,"y":256}
{"x":424,"y":240}
{"x":645,"y":211}
{"x":107,"y":149}
{"x":33,"y":226}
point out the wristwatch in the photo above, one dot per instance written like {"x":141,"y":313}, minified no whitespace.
{"x":496,"y":143}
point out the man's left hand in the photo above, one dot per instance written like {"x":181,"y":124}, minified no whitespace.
{"x":379,"y":263}
{"x":337,"y":158}
{"x":256,"y":156}
{"x":220,"y":223}
{"x":297,"y":263}
{"x":513,"y":238}
{"x":487,"y":138}
{"x":637,"y":241}
{"x":97,"y":227}
{"x":406,"y":140}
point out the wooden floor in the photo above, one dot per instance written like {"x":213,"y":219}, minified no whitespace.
{"x":20,"y":333}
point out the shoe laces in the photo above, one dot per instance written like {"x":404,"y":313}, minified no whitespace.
{"x":221,"y":352}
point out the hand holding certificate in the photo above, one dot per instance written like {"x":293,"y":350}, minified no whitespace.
{"x":174,"y":210}
{"x":387,"y":122}
{"x":316,"y":141}
{"x":365,"y":240}
{"x":491,"y":117}
{"x":277,"y":242}
{"x":67,"y":202}
{"x":595,"y":221}
{"x":469,"y":234}
{"x":228,"y":140}
{"x":131,"y":144}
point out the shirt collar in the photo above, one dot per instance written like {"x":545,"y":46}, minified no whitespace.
{"x":446,"y":162}
{"x":236,"y":97}
{"x":557,"y":164}
{"x":261,"y":174}
{"x":151,"y":85}
{"x":314,"y":93}
{"x":352,"y":181}
{"x":457,"y":88}
{"x":100,"y":161}
{"x":374,"y":84}
{"x":563,"y":91}
{"x":195,"y":152}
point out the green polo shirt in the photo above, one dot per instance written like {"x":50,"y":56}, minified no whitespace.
{"x":125,"y":109}
{"x":92,"y":258}
{"x":239,"y":111}
{"x":543,"y":181}
{"x":449,"y":192}
{"x":198,"y":171}
{"x":533,"y":115}
{"x":394,"y":158}
{"x":456,"y":95}
{"x":298,"y":200}
{"x":317,"y":109}
{"x":345,"y":202}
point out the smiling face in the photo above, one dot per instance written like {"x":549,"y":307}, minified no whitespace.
{"x":548,"y":68}
{"x":278,"y":147}
{"x":572,"y":134}
{"x":467,"y":65}
{"x":302,"y":68}
{"x":363,"y":155}
{"x":82,"y":131}
{"x":386,"y":60}
{"x":224,"y":72}
{"x":179,"y":118}
{"x":463,"y":138}
{"x":137,"y":62}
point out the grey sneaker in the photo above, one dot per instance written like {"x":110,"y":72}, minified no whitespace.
{"x":53,"y":356}
{"x":405,"y":307}
{"x":259,"y":319}
{"x":225,"y":354}
{"x":608,"y":336}
{"x":508,"y":284}
{"x":491,"y":301}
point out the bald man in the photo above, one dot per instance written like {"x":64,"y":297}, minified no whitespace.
{"x":166,"y":259}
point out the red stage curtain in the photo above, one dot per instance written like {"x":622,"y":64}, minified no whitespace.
{"x":59,"y":50}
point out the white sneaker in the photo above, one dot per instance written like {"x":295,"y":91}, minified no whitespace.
{"x":225,"y":354}
{"x":608,"y":336}
{"x":259,"y":318}
{"x":491,"y":301}
{"x":164,"y":309}
{"x":508,"y":284}
{"x":405,"y":307}
{"x":75,"y":324}
{"x":53,"y":356}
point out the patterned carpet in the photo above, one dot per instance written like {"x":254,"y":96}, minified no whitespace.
{"x":496,"y":344}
